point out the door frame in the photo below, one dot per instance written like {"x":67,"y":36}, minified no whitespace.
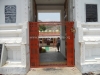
{"x":33,"y":40}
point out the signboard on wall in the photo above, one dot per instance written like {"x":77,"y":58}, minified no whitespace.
{"x":91,"y":13}
{"x":10,"y":14}
{"x":0,"y":50}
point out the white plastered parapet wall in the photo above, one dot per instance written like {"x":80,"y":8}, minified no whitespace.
{"x":15,"y":39}
{"x":86,"y":38}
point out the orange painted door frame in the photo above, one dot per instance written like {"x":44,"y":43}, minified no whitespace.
{"x":34,"y":44}
{"x":70,"y":44}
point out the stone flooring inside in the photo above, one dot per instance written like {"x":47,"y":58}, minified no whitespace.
{"x":53,"y":57}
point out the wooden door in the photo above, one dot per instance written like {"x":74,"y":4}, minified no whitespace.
{"x":70,"y":43}
{"x":34,"y":44}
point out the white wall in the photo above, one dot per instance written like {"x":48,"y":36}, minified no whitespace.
{"x":80,"y":16}
{"x":81,"y":10}
{"x":31,"y":10}
{"x":70,"y":10}
{"x":21,"y":10}
{"x":77,"y":48}
{"x":22,"y":49}
{"x":63,"y":45}
{"x":77,"y":17}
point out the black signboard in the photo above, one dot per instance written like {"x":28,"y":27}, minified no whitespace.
{"x":91,"y":13}
{"x":0,"y":50}
{"x":10,"y":14}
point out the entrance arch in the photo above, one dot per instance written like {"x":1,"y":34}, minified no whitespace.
{"x":34,"y":42}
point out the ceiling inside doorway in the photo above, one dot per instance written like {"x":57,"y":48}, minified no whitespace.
{"x":50,"y":2}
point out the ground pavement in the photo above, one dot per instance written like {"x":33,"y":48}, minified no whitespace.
{"x":54,"y":71}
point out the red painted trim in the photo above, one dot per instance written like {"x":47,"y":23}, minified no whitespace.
{"x":34,"y":43}
{"x":70,"y":44}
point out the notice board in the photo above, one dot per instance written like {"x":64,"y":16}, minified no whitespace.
{"x":91,"y":13}
{"x":10,"y":13}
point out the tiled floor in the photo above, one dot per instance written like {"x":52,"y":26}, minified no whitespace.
{"x":52,"y":57}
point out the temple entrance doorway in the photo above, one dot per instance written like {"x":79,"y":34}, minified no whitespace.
{"x":43,"y":53}
{"x":38,"y":59}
